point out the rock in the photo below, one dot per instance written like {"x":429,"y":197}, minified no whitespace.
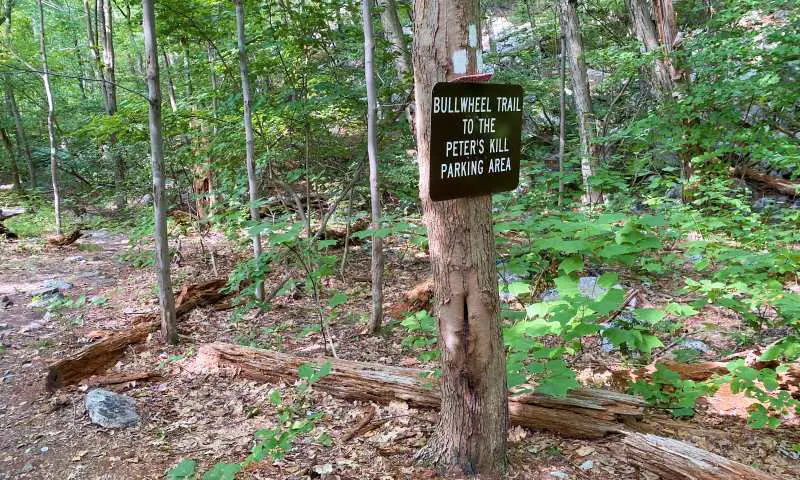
{"x":770,"y":202}
{"x":59,"y":284}
{"x":675,"y":192}
{"x":698,"y":345}
{"x":111,"y":410}
{"x":559,"y":474}
{"x":586,"y":285}
{"x":45,"y":291}
{"x":5,"y":302}
{"x":587,"y":465}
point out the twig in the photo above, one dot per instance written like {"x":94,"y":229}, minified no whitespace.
{"x":368,"y":416}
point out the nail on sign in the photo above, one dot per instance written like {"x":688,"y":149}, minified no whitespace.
{"x":476,"y":131}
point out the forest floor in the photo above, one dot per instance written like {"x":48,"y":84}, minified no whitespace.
{"x":212,"y":418}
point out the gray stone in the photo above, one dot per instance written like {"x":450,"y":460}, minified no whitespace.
{"x":587,"y":465}
{"x":675,"y":192}
{"x":59,"y":284}
{"x":770,"y":202}
{"x":5,"y":302}
{"x":586,"y":285}
{"x":111,"y":410}
{"x":45,"y":291}
{"x":559,"y":474}
{"x":698,"y":345}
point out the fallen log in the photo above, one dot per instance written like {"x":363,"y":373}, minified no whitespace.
{"x":5,"y":232}
{"x":63,"y":241}
{"x":102,"y":355}
{"x":777,"y":184}
{"x":676,"y":460}
{"x":416,"y":299}
{"x":584,"y":413}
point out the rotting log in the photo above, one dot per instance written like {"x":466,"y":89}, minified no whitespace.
{"x":102,"y":355}
{"x":416,"y":299}
{"x":774,"y":183}
{"x":64,"y":240}
{"x":97,"y":357}
{"x":584,"y":413}
{"x":676,"y":460}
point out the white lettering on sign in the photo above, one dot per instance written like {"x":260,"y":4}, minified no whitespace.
{"x":461,"y":105}
{"x":474,"y":167}
{"x":508,"y":104}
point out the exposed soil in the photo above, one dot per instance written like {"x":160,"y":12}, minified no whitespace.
{"x":212,"y":418}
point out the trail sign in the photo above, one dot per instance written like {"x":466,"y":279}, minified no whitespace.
{"x":476,"y":131}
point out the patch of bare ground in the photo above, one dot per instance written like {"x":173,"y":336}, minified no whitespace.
{"x":212,"y":418}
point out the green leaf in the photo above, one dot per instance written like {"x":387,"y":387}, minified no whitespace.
{"x":337,"y":299}
{"x":571,"y":264}
{"x":610,"y":302}
{"x":649,"y":315}
{"x":608,"y":280}
{"x":185,"y":469}
{"x":519,"y":288}
{"x":223,"y":471}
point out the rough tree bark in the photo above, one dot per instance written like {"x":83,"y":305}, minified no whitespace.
{"x":12,"y":160}
{"x":173,"y":102}
{"x":376,"y":315}
{"x":165,"y":296}
{"x":471,"y":433}
{"x":562,"y":118}
{"x":249,"y":140}
{"x":646,"y":32}
{"x":393,"y":30}
{"x":571,"y":30}
{"x":51,"y":119}
{"x":11,"y":102}
{"x":110,"y":81}
{"x":97,"y":64}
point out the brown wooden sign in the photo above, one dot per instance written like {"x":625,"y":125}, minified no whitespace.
{"x":476,"y":131}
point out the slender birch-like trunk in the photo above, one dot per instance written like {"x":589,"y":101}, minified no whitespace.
{"x":376,"y":315}
{"x":51,"y":119}
{"x":165,"y":296}
{"x":249,"y":139}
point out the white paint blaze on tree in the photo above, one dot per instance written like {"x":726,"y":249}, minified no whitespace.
{"x":249,"y":140}
{"x":471,"y":434}
{"x":165,"y":295}
{"x":51,"y":119}
{"x":376,"y":315}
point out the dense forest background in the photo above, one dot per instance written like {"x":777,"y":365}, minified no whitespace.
{"x":652,"y":246}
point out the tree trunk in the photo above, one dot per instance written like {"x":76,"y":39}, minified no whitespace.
{"x":51,"y":119}
{"x":471,"y":433}
{"x":562,"y":118}
{"x":91,"y":42}
{"x":173,"y":103}
{"x":110,"y":80}
{"x":646,"y":32}
{"x":165,"y":296}
{"x":11,"y":103}
{"x":12,"y":160}
{"x":22,"y":141}
{"x":376,"y":315}
{"x":249,"y":140}
{"x":571,"y":30}
{"x":81,"y":69}
{"x":393,"y":30}
{"x":212,"y":60}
